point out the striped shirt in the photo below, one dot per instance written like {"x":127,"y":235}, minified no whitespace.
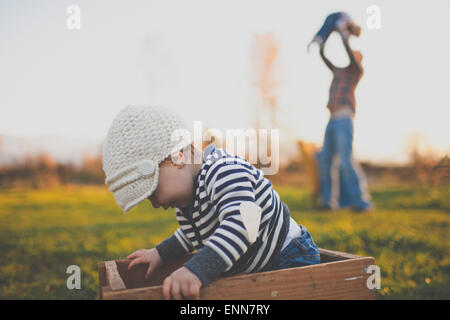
{"x":222,"y":184}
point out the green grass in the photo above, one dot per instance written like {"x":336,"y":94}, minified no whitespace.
{"x":42,"y":232}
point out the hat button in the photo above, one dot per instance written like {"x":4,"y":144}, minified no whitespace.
{"x":146,"y":167}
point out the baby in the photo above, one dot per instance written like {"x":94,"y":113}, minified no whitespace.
{"x":227,"y":210}
{"x":337,"y":21}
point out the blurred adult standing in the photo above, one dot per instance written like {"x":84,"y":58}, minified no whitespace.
{"x":342,"y":181}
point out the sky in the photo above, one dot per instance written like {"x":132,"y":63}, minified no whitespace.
{"x":196,"y":57}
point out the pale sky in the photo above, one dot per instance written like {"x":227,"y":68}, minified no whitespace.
{"x":195,"y":56}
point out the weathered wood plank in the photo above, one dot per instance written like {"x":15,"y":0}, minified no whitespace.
{"x":344,"y":279}
{"x":135,"y":278}
{"x":101,"y":277}
{"x":101,"y":274}
{"x":329,"y":255}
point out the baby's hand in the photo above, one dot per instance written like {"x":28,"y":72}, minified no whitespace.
{"x":182,"y":283}
{"x":150,"y":256}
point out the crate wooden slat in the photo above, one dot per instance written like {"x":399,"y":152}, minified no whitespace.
{"x":340,"y":275}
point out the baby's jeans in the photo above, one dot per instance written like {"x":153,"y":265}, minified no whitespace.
{"x":301,"y":251}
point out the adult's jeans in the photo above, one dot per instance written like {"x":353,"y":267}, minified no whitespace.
{"x":342,"y":181}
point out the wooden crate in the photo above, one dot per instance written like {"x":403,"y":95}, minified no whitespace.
{"x":339,"y":276}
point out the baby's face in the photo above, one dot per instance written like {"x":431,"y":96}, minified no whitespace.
{"x":175,"y":186}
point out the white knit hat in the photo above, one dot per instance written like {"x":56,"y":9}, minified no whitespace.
{"x":140,"y":137}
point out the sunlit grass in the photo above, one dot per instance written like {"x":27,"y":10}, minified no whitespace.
{"x":42,"y":232}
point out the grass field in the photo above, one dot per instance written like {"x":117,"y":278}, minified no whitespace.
{"x":44,"y":231}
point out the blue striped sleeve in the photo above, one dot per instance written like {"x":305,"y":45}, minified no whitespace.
{"x":228,"y":185}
